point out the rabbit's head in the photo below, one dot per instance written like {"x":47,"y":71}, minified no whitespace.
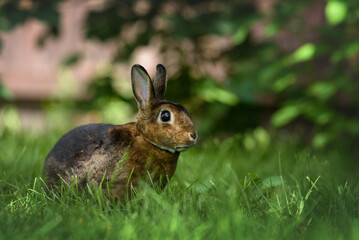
{"x":165,"y":124}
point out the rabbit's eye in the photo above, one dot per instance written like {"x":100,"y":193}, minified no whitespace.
{"x":165,"y":116}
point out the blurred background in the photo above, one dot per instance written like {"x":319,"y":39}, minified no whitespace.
{"x":256,"y":69}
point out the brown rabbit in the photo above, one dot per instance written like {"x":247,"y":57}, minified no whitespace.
{"x":121,"y":154}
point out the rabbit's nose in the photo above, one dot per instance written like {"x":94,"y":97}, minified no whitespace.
{"x":193,"y":136}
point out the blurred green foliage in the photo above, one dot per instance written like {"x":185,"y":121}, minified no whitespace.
{"x":16,"y":12}
{"x":5,"y":93}
{"x":314,"y":82}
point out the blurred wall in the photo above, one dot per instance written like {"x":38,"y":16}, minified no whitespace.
{"x":31,"y":69}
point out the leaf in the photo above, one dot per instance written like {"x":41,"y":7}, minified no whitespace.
{"x":283,"y":82}
{"x":211,"y":93}
{"x":249,"y":143}
{"x":262,"y":137}
{"x":324,"y":117}
{"x":240,"y":35}
{"x":303,"y":53}
{"x":10,"y":118}
{"x":5,"y":93}
{"x":350,"y":50}
{"x":285,"y":115}
{"x":322,"y":90}
{"x":336,"y":11}
{"x":321,"y":139}
{"x":271,"y":29}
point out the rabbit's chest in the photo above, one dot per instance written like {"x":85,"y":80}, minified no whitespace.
{"x":147,"y":161}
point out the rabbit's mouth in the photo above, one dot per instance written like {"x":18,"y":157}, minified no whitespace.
{"x":183,"y":148}
{"x":180,"y":148}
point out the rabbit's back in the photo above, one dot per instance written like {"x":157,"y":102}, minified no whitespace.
{"x":88,"y":150}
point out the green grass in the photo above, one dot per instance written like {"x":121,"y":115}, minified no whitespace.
{"x":220,"y":190}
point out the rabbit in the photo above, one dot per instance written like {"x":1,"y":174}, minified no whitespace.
{"x":120,"y":155}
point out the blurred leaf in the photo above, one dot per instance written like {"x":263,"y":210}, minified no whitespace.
{"x":117,"y":111}
{"x":5,"y":93}
{"x":72,"y":60}
{"x":348,"y":51}
{"x":262,"y":137}
{"x":303,"y":53}
{"x":67,"y":82}
{"x":240,"y":35}
{"x":324,"y":117}
{"x":211,"y":93}
{"x":102,"y":86}
{"x":269,"y":71}
{"x":285,"y":115}
{"x":284,"y":82}
{"x":12,"y":14}
{"x":105,"y":24}
{"x":322,"y":90}
{"x":225,"y":26}
{"x":220,"y":95}
{"x":352,"y":126}
{"x":321,"y":139}
{"x":271,"y":29}
{"x":48,"y":15}
{"x":249,"y":142}
{"x":335,"y":11}
{"x":245,"y":90}
{"x":317,"y":112}
{"x":10,"y":119}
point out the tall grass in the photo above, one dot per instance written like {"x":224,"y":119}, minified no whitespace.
{"x":221,"y":190}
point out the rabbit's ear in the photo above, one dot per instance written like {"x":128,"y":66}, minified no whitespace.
{"x":160,"y":82}
{"x":142,"y":88}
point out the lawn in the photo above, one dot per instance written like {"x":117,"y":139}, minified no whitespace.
{"x":245,"y":187}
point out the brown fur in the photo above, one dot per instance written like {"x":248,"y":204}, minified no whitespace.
{"x":147,"y":149}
